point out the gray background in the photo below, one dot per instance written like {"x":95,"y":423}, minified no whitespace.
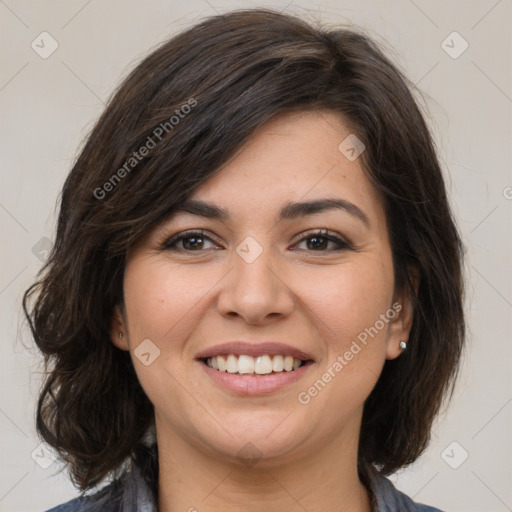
{"x":48,"y":105}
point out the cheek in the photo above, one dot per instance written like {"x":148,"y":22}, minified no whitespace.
{"x":161,"y":304}
{"x":154,"y":307}
{"x":349,"y":306}
{"x":351,"y":299}
{"x":160,"y":299}
{"x":354,"y":335}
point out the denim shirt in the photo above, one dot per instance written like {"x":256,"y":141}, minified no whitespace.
{"x":133,"y":495}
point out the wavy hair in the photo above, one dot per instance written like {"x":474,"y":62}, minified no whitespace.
{"x":236,"y":71}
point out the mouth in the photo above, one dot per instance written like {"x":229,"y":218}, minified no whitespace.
{"x":247,"y":376}
{"x":244,"y":365}
{"x":254,"y":368}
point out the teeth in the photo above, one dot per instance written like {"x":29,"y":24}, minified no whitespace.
{"x":221,"y":363}
{"x":232,"y":364}
{"x":247,"y":365}
{"x":278,"y":364}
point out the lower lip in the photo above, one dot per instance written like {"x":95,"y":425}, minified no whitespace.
{"x":252,"y":385}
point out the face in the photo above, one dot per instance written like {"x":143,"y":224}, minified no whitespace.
{"x":319,"y":280}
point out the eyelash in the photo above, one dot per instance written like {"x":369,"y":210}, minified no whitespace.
{"x":170,"y":243}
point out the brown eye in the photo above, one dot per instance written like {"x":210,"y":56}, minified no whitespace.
{"x":319,"y":241}
{"x":188,"y":241}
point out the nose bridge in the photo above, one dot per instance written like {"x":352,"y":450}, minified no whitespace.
{"x":253,"y":289}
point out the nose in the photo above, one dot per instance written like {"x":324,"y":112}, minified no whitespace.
{"x":255,"y":291}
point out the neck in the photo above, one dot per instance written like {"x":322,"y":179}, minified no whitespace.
{"x":324,"y":478}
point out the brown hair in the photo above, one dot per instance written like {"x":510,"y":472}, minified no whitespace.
{"x":235,"y":72}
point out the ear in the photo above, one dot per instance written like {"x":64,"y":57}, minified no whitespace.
{"x":400,"y":325}
{"x":118,"y":330}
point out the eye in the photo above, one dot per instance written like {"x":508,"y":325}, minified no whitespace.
{"x":187,"y":241}
{"x":319,"y":240}
{"x":194,"y":241}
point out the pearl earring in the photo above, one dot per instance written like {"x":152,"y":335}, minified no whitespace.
{"x":403,"y":345}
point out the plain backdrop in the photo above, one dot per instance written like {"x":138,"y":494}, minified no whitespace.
{"x":457,"y":52}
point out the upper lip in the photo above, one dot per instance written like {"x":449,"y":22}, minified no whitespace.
{"x":238,"y":348}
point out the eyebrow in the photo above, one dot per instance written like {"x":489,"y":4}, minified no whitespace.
{"x":288,"y":212}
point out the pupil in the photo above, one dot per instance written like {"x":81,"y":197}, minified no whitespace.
{"x":195,"y":242}
{"x":318,"y":245}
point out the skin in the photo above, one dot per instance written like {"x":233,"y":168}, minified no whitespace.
{"x":316,"y":299}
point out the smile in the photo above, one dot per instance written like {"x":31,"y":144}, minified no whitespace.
{"x":254,"y":366}
{"x":252,"y":383}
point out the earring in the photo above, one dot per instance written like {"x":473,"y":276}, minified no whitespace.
{"x":120,"y":334}
{"x":403,"y":345}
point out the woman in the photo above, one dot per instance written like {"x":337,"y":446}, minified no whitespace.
{"x":254,"y":300}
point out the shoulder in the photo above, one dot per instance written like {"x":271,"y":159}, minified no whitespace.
{"x":390,"y":499}
{"x":128,"y":493}
{"x":106,"y":499}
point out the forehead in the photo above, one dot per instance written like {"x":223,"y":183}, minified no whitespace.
{"x":294,"y":157}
